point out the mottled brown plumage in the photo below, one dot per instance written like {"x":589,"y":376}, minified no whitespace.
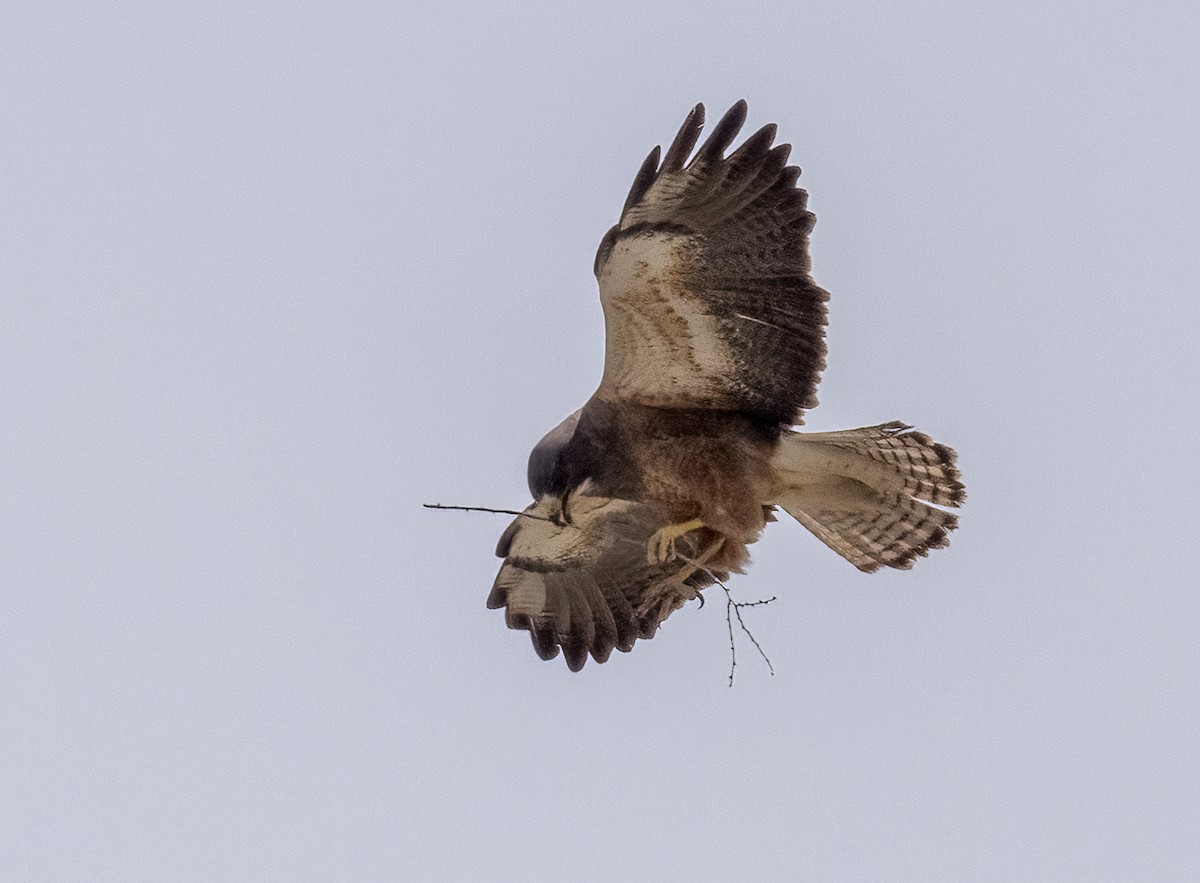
{"x":714,"y":344}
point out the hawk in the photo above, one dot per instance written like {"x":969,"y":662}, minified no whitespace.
{"x":714,"y":343}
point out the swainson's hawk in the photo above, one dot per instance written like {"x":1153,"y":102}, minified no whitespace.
{"x":714,"y":342}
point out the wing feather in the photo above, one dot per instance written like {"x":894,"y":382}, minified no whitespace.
{"x":643,"y":179}
{"x":586,"y":587}
{"x":722,"y":135}
{"x":685,"y":140}
{"x":705,"y":281}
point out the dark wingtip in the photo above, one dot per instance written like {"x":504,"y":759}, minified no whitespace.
{"x":505,"y":542}
{"x":643,"y":179}
{"x":544,"y":643}
{"x":498,"y":596}
{"x":756,"y":146}
{"x":724,"y":133}
{"x":685,"y":140}
{"x":575,"y":652}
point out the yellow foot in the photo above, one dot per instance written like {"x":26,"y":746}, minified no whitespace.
{"x":661,"y":547}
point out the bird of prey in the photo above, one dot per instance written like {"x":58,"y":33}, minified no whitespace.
{"x":714,"y":343}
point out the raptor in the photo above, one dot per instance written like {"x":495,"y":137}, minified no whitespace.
{"x":714,"y":344}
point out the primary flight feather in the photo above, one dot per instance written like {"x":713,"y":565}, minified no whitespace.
{"x":714,"y":344}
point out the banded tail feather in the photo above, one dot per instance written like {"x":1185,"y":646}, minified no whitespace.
{"x":866,"y":493}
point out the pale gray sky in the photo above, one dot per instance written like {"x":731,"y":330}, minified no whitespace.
{"x":273,"y":275}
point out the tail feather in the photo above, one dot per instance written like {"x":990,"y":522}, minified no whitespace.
{"x":860,"y":492}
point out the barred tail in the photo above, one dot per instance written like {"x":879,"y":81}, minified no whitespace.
{"x":861,"y":491}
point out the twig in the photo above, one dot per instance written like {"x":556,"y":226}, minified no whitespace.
{"x":485,"y":509}
{"x":732,"y":646}
{"x":734,"y":608}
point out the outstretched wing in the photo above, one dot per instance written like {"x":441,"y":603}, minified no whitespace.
{"x":704,"y":282}
{"x":585,"y":585}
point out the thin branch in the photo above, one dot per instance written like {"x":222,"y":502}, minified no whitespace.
{"x":732,"y":646}
{"x":732,"y":609}
{"x":485,"y":509}
{"x":735,"y":608}
{"x":758,"y":603}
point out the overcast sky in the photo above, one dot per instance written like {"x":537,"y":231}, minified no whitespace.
{"x":273,"y":275}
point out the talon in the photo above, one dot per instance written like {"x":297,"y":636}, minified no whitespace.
{"x":661,"y":547}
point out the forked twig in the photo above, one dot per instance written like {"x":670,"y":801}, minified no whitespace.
{"x":732,"y":609}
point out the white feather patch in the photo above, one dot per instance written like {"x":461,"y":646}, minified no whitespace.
{"x":661,"y":344}
{"x":559,"y":545}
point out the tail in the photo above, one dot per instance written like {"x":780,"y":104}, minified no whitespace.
{"x":860,"y":492}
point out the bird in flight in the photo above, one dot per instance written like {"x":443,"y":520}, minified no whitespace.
{"x":714,"y":343}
